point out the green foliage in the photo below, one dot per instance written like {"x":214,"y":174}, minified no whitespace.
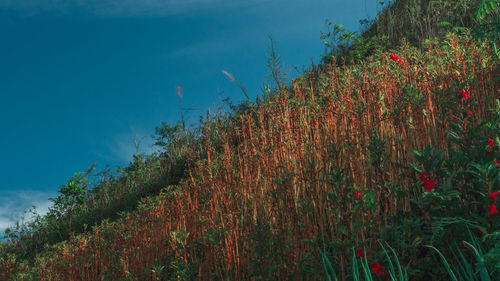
{"x":394,"y":264}
{"x":377,"y":155}
{"x":166,"y":134}
{"x":462,"y":268}
{"x":347,"y":47}
{"x":449,"y":186}
{"x":492,"y":257}
{"x":181,"y":270}
{"x":401,"y":274}
{"x":268,"y":249}
{"x":486,"y":7}
{"x":88,"y":198}
{"x":414,"y":21}
{"x":489,"y":27}
{"x":466,"y":174}
{"x":274,"y":67}
{"x":336,"y":39}
{"x":264,"y":259}
{"x":327,"y":266}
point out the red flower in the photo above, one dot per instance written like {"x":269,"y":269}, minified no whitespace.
{"x":375,"y":71}
{"x":465,"y":94}
{"x":378,"y":269}
{"x":192,"y":236}
{"x":360,"y":253}
{"x":496,"y":162}
{"x":493,"y":210}
{"x":130,"y":219}
{"x":422,"y":176}
{"x":288,"y":128}
{"x":491,"y":143}
{"x":393,"y":57}
{"x":383,"y":57}
{"x":84,"y":242}
{"x":357,"y":195}
{"x":487,"y":151}
{"x":465,"y":43}
{"x":157,"y":211}
{"x":331,"y":73}
{"x":78,"y":277}
{"x":468,"y":112}
{"x":299,"y":92}
{"x":429,"y":183}
{"x":455,"y":120}
{"x":493,"y":196}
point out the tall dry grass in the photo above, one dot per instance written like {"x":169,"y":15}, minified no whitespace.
{"x":281,"y":180}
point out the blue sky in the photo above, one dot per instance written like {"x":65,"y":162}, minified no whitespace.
{"x":80,"y":78}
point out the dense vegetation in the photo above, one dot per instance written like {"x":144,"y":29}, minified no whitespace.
{"x":379,"y":163}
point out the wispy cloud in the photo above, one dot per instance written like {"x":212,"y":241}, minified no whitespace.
{"x":125,"y":145}
{"x":201,"y":49}
{"x":120,"y":8}
{"x":14,"y":203}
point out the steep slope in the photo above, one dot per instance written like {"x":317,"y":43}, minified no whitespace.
{"x":402,"y":147}
{"x":324,"y":164}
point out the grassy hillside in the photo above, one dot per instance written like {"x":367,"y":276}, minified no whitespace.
{"x":400,"y":148}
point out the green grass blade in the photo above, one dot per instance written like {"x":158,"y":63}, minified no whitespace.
{"x":392,"y":273}
{"x":465,"y":266}
{"x":446,"y":265}
{"x":328,"y":267}
{"x":355,"y":268}
{"x":366,"y":268}
{"x":402,"y":277}
{"x":483,"y":271}
{"x":474,"y":242}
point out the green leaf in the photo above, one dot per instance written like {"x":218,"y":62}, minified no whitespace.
{"x":445,"y":263}
{"x":355,"y":269}
{"x":330,"y":272}
{"x":453,"y":134}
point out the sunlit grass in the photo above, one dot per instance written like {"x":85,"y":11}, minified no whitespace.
{"x":300,"y":161}
{"x":338,"y":176}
